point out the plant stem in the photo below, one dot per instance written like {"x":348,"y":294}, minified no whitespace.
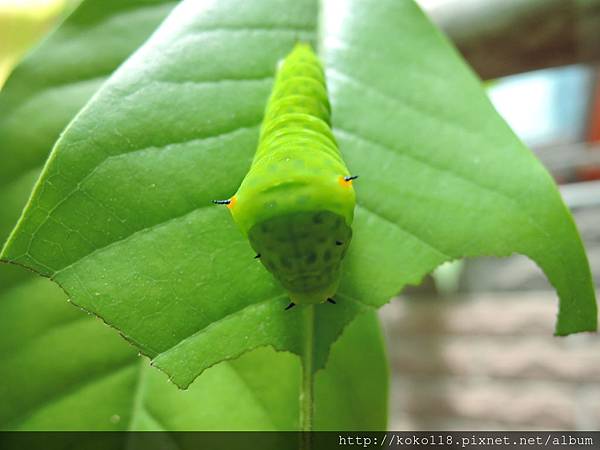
{"x":306,"y":394}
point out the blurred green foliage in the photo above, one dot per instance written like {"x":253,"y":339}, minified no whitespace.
{"x":22,"y":24}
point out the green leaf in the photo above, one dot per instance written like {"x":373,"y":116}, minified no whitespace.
{"x":121,"y":217}
{"x":447,"y":178}
{"x":55,"y":80}
{"x":351,"y":393}
{"x":99,"y":375}
{"x":56,"y":360}
{"x":79,"y":364}
{"x":102,"y":378}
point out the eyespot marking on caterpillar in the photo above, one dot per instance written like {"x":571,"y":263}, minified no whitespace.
{"x":232,"y":203}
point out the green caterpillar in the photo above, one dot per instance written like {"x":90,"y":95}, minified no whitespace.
{"x":296,"y":203}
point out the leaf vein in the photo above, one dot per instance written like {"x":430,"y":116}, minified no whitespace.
{"x":445,"y":170}
{"x":79,"y":185}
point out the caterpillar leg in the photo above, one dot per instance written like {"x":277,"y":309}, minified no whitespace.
{"x":350,"y":178}
{"x":290,"y":306}
{"x":222,"y":202}
{"x":330,"y":300}
{"x":257,"y":256}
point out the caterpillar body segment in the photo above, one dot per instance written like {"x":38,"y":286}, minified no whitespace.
{"x":296,"y":203}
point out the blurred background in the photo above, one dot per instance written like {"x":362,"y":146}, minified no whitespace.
{"x":22,"y":24}
{"x":472,"y":347}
